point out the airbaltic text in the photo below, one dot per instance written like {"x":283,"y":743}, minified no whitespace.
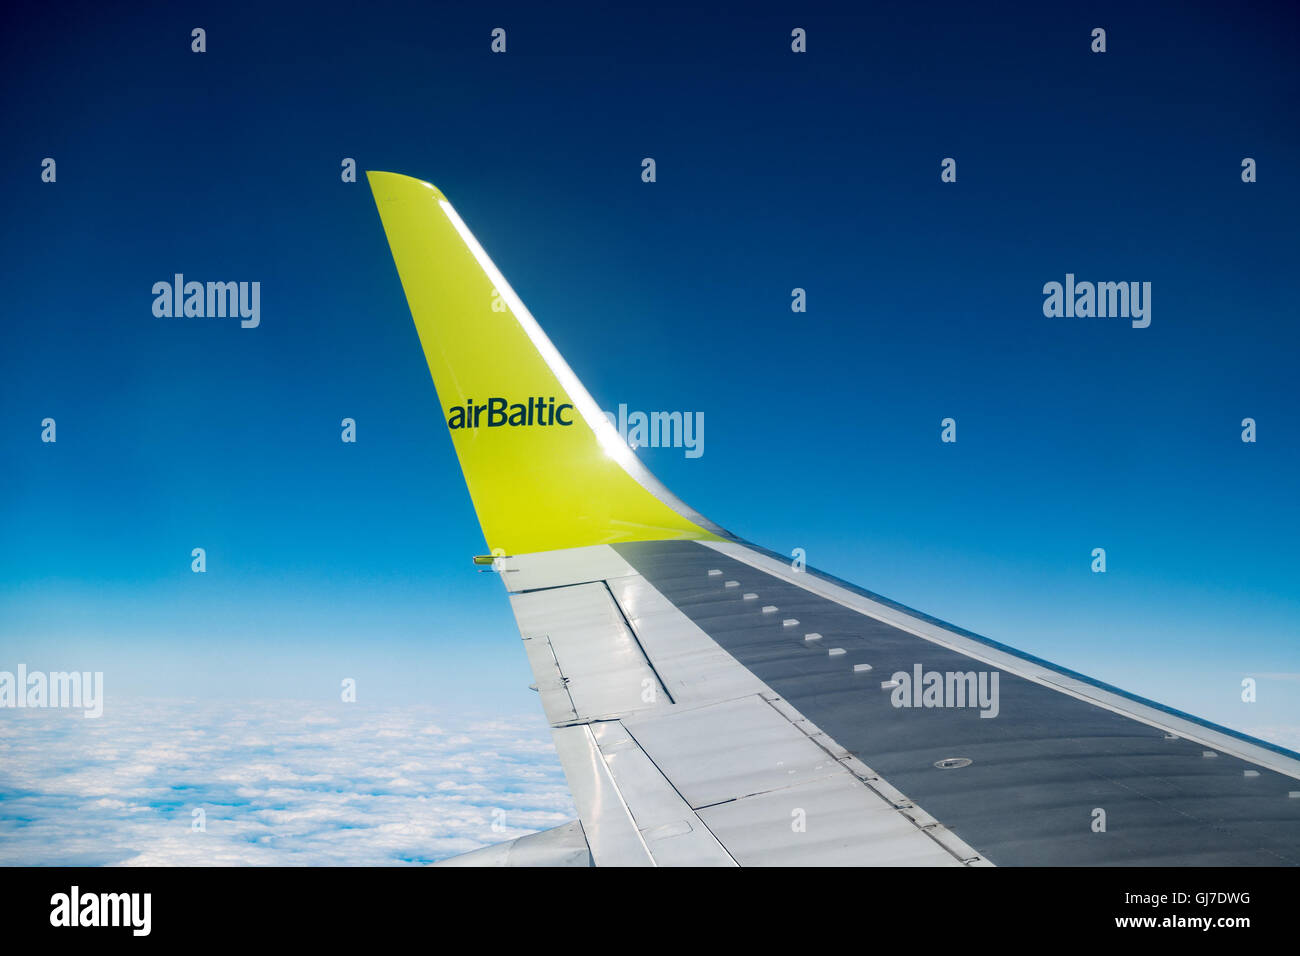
{"x":538,"y":411}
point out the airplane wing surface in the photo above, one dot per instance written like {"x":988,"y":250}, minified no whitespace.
{"x":714,"y":705}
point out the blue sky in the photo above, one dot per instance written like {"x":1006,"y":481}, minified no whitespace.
{"x":775,"y":171}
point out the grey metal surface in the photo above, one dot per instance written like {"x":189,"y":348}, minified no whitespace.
{"x":773,"y":795}
{"x":1187,"y":726}
{"x":548,"y":569}
{"x":587,"y":661}
{"x":709,"y":734}
{"x":730,"y":750}
{"x":671,"y":830}
{"x":1038,"y":771}
{"x":564,"y":845}
{"x":825,"y":822}
{"x":611,"y":832}
{"x":691,"y":664}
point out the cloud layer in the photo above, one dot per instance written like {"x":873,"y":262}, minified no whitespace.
{"x":280,"y":783}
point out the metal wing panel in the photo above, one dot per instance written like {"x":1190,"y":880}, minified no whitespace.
{"x":673,"y":833}
{"x":564,"y":845}
{"x":730,"y":750}
{"x":1030,"y":779}
{"x":612,"y":834}
{"x":594,"y":655}
{"x":664,"y":735}
{"x":912,"y":622}
{"x":759,"y":745}
{"x":825,"y":822}
{"x":549,"y":569}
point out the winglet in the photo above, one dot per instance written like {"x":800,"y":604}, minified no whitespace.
{"x":545,"y":468}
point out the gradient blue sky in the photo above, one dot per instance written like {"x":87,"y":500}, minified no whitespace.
{"x":821,"y":171}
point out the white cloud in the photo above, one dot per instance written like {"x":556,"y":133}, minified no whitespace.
{"x":281,"y":783}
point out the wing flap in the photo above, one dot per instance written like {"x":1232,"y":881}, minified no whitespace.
{"x":611,"y":832}
{"x":672,"y":831}
{"x":564,"y":845}
{"x":588,"y":663}
{"x":663,"y":734}
{"x":830,"y":821}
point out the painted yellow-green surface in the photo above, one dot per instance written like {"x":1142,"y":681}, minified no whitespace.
{"x":535,"y":487}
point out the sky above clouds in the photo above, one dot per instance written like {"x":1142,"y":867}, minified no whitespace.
{"x":285,"y":783}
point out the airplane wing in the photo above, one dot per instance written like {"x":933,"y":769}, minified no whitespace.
{"x":713,"y":704}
